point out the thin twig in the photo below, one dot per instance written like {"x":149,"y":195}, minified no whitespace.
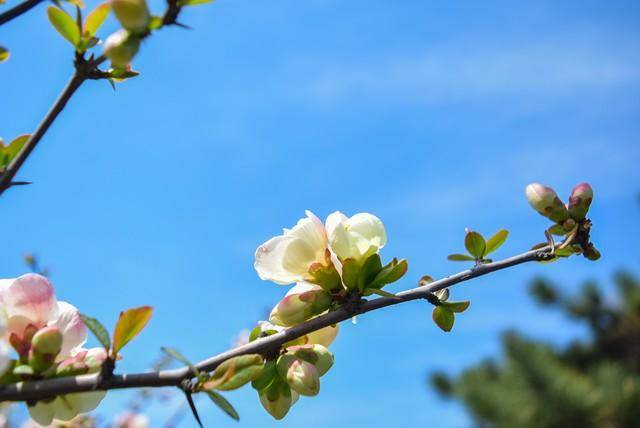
{"x":18,"y":10}
{"x":52,"y":387}
{"x":6,"y":180}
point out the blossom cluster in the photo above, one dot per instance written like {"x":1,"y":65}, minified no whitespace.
{"x":47,"y":337}
{"x":330,"y":263}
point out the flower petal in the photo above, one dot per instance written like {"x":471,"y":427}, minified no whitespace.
{"x":30,"y":296}
{"x":268,"y":261}
{"x":42,"y":412}
{"x":324,"y":336}
{"x":74,"y":332}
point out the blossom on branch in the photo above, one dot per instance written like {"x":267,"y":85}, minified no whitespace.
{"x":48,"y":335}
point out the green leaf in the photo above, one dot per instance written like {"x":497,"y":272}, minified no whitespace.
{"x":98,"y":331}
{"x":460,"y":258}
{"x":95,"y":19}
{"x":475,"y":244}
{"x":223,"y":404}
{"x":266,"y":377}
{"x":457,"y":307}
{"x":193,"y":2}
{"x":496,"y":241}
{"x":64,"y":24}
{"x":4,"y":54}
{"x":255,"y":333}
{"x":155,"y":23}
{"x":443,"y":317}
{"x":8,"y":153}
{"x":23,"y":369}
{"x":179,"y":357}
{"x":557,"y":229}
{"x":130,"y":324}
{"x":390,"y":273}
{"x":380,"y":292}
{"x":370,"y":268}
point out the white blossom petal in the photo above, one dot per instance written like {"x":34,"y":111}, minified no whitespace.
{"x":74,"y":332}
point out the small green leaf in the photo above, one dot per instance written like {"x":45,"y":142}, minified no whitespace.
{"x":64,"y":24}
{"x":179,"y":357}
{"x":380,"y":292}
{"x":425,"y":280}
{"x":23,"y":369}
{"x":95,"y":19}
{"x":370,"y":268}
{"x":475,"y":244}
{"x":98,"y":330}
{"x":496,"y":241}
{"x":255,"y":333}
{"x":443,"y":317}
{"x":557,"y":229}
{"x":8,"y":153}
{"x":266,"y":377}
{"x":457,"y":307}
{"x":155,"y":23}
{"x":193,"y":2}
{"x":4,"y":54}
{"x":460,"y":258}
{"x":130,"y":324}
{"x":390,"y":273}
{"x":223,"y":404}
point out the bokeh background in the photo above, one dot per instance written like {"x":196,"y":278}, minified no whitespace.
{"x":433,"y":115}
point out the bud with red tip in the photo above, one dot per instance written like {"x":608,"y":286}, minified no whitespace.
{"x":545,"y":200}
{"x":580,"y":200}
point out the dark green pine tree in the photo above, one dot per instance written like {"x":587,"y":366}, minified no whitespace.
{"x":589,"y":383}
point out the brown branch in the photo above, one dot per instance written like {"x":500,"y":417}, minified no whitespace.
{"x":28,"y":391}
{"x":6,"y":180}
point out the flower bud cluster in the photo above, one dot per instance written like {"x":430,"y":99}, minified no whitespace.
{"x":295,"y":371}
{"x":570,"y":219}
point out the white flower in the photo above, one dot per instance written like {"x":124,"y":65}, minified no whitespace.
{"x":357,"y":237}
{"x":286,"y":259}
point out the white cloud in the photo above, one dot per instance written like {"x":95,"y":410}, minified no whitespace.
{"x":472,"y":69}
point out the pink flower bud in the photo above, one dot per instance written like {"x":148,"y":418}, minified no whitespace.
{"x":301,"y":375}
{"x":303,"y":302}
{"x":545,"y":200}
{"x":317,"y":355}
{"x":580,"y":200}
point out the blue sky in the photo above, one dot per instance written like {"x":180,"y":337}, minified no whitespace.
{"x":433,"y":115}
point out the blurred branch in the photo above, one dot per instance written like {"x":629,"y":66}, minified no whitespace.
{"x":18,"y":10}
{"x":182,"y":377}
{"x":84,"y":69}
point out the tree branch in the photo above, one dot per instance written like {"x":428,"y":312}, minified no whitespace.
{"x":18,"y":10}
{"x":6,"y":179}
{"x":29,"y":391}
